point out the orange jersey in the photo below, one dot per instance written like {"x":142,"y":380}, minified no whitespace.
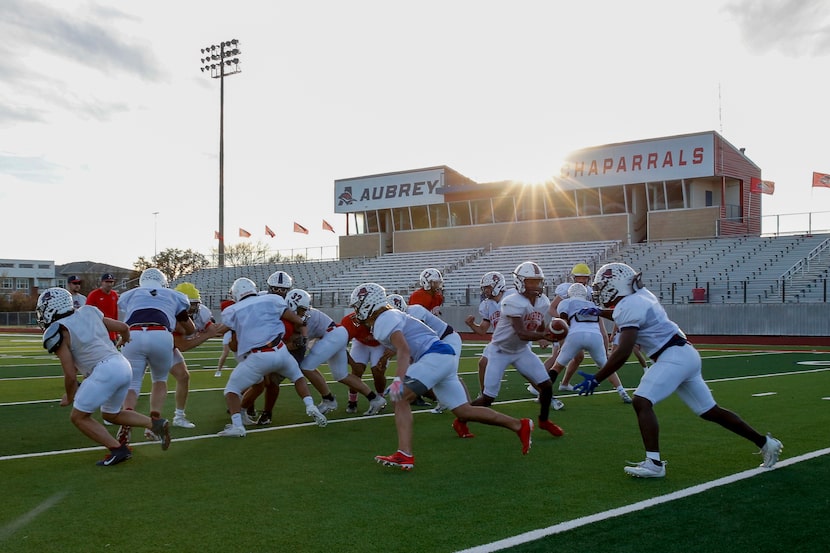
{"x":358,"y":331}
{"x":426,"y":298}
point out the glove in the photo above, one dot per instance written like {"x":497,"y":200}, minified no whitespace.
{"x":591,"y":311}
{"x":395,"y":390}
{"x":587,"y":386}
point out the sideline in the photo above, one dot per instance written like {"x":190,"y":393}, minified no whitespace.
{"x":634,"y":507}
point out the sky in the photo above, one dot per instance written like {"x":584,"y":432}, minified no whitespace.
{"x":109,"y":131}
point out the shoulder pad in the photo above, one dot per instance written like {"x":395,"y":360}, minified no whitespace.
{"x":52,"y":337}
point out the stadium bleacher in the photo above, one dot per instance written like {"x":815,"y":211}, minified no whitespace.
{"x":723,"y":270}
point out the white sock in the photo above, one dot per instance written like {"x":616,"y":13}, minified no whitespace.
{"x":654,"y":456}
{"x":179,"y":412}
{"x":236,"y":419}
{"x":308,"y":401}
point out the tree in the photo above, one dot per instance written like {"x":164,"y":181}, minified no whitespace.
{"x":245,"y":253}
{"x":174,"y":262}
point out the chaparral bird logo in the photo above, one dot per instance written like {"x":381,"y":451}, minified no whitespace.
{"x":345,"y":198}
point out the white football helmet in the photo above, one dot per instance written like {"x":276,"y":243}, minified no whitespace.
{"x":431,"y":279}
{"x":614,"y":281}
{"x":280,"y":283}
{"x":53,"y":304}
{"x":298,"y":299}
{"x":528,"y":270}
{"x":152,"y":278}
{"x":242,"y":288}
{"x":495,"y":280}
{"x":366,"y":299}
{"x":397,"y":301}
{"x":577,"y":290}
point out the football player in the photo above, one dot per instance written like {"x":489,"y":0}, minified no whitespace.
{"x":431,"y":292}
{"x":522,"y":322}
{"x":424,"y":363}
{"x":153,"y":312}
{"x":329,"y":347}
{"x":586,"y":334}
{"x":80,"y":340}
{"x":257,"y":323}
{"x":642,"y":320}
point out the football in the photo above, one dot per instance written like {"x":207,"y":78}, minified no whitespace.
{"x":558,"y":327}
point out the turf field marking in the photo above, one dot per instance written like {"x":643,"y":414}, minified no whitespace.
{"x":634,"y":507}
{"x":26,"y":518}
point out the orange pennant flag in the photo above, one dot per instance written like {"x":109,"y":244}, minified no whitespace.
{"x":758,"y":186}
{"x":327,"y":226}
{"x":269,"y":232}
{"x":821,"y":180}
{"x":216,"y":235}
{"x":244,"y":233}
{"x":300,"y":228}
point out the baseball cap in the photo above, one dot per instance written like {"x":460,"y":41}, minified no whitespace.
{"x":73,"y":279}
{"x":107,"y":276}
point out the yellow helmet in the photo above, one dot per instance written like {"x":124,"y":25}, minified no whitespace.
{"x":190,"y":291}
{"x":581,"y":269}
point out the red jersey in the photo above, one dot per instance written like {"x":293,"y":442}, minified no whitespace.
{"x":357,"y":331}
{"x":426,"y":298}
{"x":106,"y":303}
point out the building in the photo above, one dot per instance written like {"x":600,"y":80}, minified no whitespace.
{"x":685,"y":186}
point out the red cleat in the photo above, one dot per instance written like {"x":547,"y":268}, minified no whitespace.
{"x":461,"y":429}
{"x":552,"y":428}
{"x":397,"y":459}
{"x":524,"y":435}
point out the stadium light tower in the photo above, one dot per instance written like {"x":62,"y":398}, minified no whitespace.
{"x":220,"y":60}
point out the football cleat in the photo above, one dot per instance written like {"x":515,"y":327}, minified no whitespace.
{"x":232,"y":431}
{"x":438,"y":409}
{"x":149,"y":436}
{"x":264,"y":419}
{"x":327,"y":406}
{"x":351,"y":408}
{"x":566,"y":388}
{"x":646,"y":469}
{"x":771,"y":450}
{"x":461,"y":429}
{"x":524,"y":435}
{"x":556,"y":405}
{"x":554,"y":429}
{"x":624,"y":396}
{"x":319,"y":418}
{"x":376,"y":406}
{"x":182,"y":422}
{"x":218,"y":373}
{"x":397,"y":459}
{"x":161,"y":428}
{"x":248,"y":419}
{"x":117,"y":455}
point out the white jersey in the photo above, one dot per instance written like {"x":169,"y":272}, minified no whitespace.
{"x":438,"y":325}
{"x":257,"y":321}
{"x":579,"y":322}
{"x":88,"y":337}
{"x":148,"y":305}
{"x":490,"y":311}
{"x":203,"y":318}
{"x":531,"y":314}
{"x":642,"y":310}
{"x":418,"y":335}
{"x":318,"y":323}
